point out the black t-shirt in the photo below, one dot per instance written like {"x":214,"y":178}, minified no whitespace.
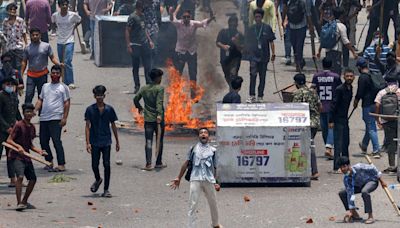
{"x":225,"y":37}
{"x":138,"y":33}
{"x":364,"y":90}
{"x":232,"y":97}
{"x":258,"y":42}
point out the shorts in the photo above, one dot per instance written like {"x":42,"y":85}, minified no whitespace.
{"x":23,"y":168}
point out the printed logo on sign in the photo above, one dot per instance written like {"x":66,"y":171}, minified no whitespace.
{"x":254,"y":152}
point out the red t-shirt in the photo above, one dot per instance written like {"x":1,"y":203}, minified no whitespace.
{"x":22,"y":134}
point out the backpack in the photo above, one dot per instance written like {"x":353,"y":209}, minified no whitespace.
{"x":328,"y":37}
{"x":296,"y":11}
{"x":190,"y":165}
{"x":389,"y":104}
{"x":377,"y":81}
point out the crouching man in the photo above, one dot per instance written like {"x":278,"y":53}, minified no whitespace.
{"x":359,"y":178}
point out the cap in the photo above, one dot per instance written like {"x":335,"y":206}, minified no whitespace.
{"x":361,"y":62}
{"x":300,"y":79}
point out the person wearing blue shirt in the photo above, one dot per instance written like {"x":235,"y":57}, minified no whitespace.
{"x":359,"y":178}
{"x":98,"y":118}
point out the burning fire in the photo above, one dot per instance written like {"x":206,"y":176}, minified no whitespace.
{"x":179,"y":105}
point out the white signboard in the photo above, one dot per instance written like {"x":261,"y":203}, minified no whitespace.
{"x":270,"y":144}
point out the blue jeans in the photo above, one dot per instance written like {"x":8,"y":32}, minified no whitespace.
{"x":66,"y":58}
{"x":327,"y":133}
{"x":31,"y":84}
{"x":297,"y":37}
{"x":288,"y":45}
{"x":52,"y":129}
{"x":92,"y":27}
{"x":341,"y":133}
{"x":370,"y":129}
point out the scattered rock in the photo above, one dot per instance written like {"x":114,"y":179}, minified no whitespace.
{"x":136,"y":211}
{"x":332,"y":218}
{"x":309,"y":221}
{"x":89,"y":203}
{"x":246,"y":198}
{"x":93,"y":209}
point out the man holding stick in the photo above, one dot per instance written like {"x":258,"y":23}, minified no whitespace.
{"x":153,"y":96}
{"x":359,"y":178}
{"x":21,"y":138}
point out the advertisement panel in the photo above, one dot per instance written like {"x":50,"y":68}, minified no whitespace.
{"x":261,"y":143}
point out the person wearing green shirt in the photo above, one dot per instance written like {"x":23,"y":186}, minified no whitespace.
{"x":153,"y":110}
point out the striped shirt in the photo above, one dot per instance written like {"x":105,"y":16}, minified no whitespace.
{"x":369,"y":55}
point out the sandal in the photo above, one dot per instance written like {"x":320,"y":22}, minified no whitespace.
{"x":106,"y":194}
{"x":95,"y":186}
{"x":60,"y":169}
{"x":369,"y":221}
{"x":148,"y":168}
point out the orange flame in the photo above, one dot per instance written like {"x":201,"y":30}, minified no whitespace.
{"x":179,"y":106}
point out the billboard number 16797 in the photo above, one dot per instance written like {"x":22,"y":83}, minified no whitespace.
{"x":251,"y":160}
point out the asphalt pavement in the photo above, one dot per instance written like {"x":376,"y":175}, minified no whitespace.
{"x":144,"y":199}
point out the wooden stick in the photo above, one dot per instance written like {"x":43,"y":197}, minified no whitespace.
{"x":27,"y":154}
{"x":158,"y":140}
{"x":44,"y":152}
{"x":389,"y":195}
{"x":384,"y":116}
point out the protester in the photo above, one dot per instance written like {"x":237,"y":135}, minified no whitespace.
{"x":305,"y":94}
{"x":359,"y":178}
{"x":367,"y":93}
{"x":286,"y":36}
{"x":93,"y":8}
{"x":230,"y":41}
{"x":325,"y":83}
{"x":186,"y":45}
{"x":298,"y":13}
{"x":99,"y":116}
{"x":334,"y":53}
{"x":66,"y":22}
{"x":371,"y":51}
{"x":153,"y":96}
{"x":139,"y":45}
{"x":7,"y":71}
{"x":386,"y":102}
{"x":261,"y":39}
{"x":339,"y":117}
{"x":85,"y":22}
{"x":374,"y":16}
{"x":21,"y":137}
{"x":269,"y":17}
{"x":14,"y":28}
{"x":202,"y":178}
{"x":36,"y":54}
{"x":151,"y":11}
{"x":53,"y":104}
{"x":233,"y":96}
{"x":9,"y":114}
{"x":38,"y":15}
{"x":125,"y":9}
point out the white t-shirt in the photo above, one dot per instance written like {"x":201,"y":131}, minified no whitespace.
{"x":65,"y":26}
{"x":53,"y":96}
